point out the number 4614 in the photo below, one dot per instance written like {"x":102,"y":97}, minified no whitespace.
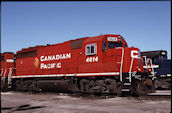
{"x":92,"y":59}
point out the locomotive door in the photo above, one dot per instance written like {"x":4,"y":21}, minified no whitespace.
{"x":77,"y":56}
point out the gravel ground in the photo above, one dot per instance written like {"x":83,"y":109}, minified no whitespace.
{"x":18,"y":102}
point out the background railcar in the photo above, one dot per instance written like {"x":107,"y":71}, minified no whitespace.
{"x":7,"y":69}
{"x":100,"y":64}
{"x":162,"y":68}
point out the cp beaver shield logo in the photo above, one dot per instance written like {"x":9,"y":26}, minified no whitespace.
{"x":36,"y":62}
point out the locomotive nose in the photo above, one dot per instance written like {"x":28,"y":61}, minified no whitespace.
{"x":134,"y":60}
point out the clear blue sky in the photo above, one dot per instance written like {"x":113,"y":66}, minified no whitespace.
{"x":145,"y":25}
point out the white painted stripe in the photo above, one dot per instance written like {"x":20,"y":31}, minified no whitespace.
{"x":127,"y":77}
{"x":57,"y":75}
{"x":138,"y":75}
{"x":153,"y":66}
{"x":9,"y":60}
{"x":87,"y":74}
{"x":125,"y":90}
{"x":163,"y":75}
{"x":151,"y":75}
{"x":168,"y":75}
{"x":127,"y":83}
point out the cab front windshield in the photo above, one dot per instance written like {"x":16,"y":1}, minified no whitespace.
{"x":112,"y":45}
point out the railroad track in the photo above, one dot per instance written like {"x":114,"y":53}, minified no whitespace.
{"x":159,"y":94}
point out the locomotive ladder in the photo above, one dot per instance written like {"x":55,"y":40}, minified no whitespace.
{"x":126,"y":82}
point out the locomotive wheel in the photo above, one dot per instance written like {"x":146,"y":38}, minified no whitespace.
{"x":91,"y":86}
{"x":142,"y":87}
{"x":32,"y":86}
{"x":4,"y":85}
{"x":111,"y":86}
{"x":17,"y":85}
{"x":119,"y":89}
{"x":28,"y":85}
{"x":137,"y":88}
{"x":150,"y":85}
{"x":83,"y":85}
{"x":24,"y":85}
{"x":98,"y":86}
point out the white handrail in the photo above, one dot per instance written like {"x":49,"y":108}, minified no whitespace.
{"x":131,"y":65}
{"x":4,"y":73}
{"x":1,"y":71}
{"x":153,"y":72}
{"x":149,"y":60}
{"x":9,"y":78}
{"x":122,"y":57}
{"x":145,"y":60}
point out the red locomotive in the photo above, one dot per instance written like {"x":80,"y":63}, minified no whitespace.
{"x":7,"y":67}
{"x":100,"y":64}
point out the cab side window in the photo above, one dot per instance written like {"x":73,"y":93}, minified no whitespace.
{"x":114,"y":44}
{"x":111,"y":45}
{"x":104,"y":46}
{"x":91,"y":49}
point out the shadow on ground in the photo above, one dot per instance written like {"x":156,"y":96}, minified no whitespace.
{"x":21,"y":108}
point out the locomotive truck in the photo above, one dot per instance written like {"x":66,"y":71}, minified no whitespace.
{"x":99,"y":64}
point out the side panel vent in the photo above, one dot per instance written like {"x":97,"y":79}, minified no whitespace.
{"x":76,"y":44}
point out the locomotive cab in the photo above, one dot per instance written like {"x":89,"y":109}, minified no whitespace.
{"x":117,"y":48}
{"x":128,"y":62}
{"x":113,"y":42}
